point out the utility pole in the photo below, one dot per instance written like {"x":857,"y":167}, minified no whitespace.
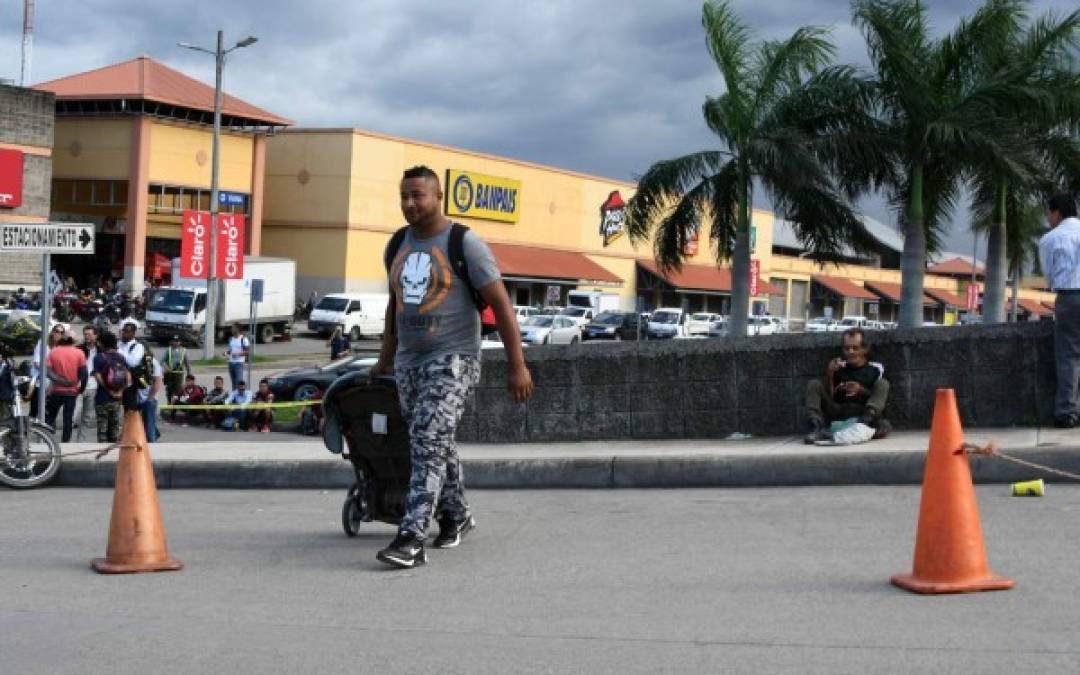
{"x":27,"y":42}
{"x":211,"y":282}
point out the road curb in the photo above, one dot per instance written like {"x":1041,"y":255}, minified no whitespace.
{"x":670,"y":471}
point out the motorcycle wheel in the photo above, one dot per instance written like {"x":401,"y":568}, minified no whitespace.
{"x":38,"y":467}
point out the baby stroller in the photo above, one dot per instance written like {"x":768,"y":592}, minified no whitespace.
{"x":365,"y":426}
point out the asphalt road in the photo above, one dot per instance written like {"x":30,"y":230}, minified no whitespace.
{"x":705,"y":581}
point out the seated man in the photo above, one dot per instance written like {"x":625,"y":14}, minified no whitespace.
{"x":216,"y":396}
{"x":236,"y":419}
{"x":262,"y":418}
{"x":853,"y":386}
{"x":189,"y":394}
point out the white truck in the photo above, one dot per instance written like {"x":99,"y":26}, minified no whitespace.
{"x":180,"y":309}
{"x":358,"y":315}
{"x":597,"y":301}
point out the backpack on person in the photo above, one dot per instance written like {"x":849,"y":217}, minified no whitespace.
{"x":143,"y":373}
{"x":455,"y":252}
{"x":116,"y":371}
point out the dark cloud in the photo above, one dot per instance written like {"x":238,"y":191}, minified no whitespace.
{"x":591,"y":85}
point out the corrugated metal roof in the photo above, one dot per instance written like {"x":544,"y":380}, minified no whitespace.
{"x":144,"y":78}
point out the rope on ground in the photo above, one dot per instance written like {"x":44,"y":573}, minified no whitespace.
{"x":991,"y":450}
{"x":101,"y":452}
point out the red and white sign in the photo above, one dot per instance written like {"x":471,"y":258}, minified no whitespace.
{"x":972,"y":297}
{"x":230,"y":246}
{"x":691,"y":246}
{"x":195,"y":245}
{"x":755,"y":277}
{"x":11,"y":178}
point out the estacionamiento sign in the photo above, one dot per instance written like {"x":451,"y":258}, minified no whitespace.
{"x":47,"y":237}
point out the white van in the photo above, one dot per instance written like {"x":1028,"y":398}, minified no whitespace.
{"x":358,"y":314}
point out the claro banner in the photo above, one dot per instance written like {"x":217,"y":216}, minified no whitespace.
{"x":195,"y":245}
{"x":11,"y":178}
{"x":474,"y":195}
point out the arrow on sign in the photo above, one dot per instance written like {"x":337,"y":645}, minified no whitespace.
{"x":85,"y":239}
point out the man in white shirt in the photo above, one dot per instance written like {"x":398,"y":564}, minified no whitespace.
{"x":237,"y":354}
{"x":239,"y":416}
{"x":1059,"y":255}
{"x":133,"y":352}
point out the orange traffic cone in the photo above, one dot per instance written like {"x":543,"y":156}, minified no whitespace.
{"x":949,"y":552}
{"x":136,"y":534}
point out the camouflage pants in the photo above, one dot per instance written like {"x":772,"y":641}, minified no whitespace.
{"x":432,"y":401}
{"x":108,"y":421}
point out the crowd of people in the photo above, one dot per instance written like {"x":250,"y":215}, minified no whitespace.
{"x":92,"y":383}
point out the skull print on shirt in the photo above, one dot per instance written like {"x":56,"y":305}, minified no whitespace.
{"x":420,"y":279}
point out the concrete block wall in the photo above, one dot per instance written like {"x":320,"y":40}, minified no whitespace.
{"x":27,"y":117}
{"x":1003,"y":375}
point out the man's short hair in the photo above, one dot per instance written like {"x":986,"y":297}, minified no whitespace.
{"x":91,"y":329}
{"x":107,"y":340}
{"x":190,"y":378}
{"x":420,"y":172}
{"x":219,"y":378}
{"x":852,"y":332}
{"x":241,"y":383}
{"x":66,"y":341}
{"x":264,"y":381}
{"x":1063,"y":203}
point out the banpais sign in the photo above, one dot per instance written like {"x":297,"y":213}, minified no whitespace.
{"x":11,"y":178}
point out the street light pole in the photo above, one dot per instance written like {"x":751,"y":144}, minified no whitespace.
{"x":211,"y":281}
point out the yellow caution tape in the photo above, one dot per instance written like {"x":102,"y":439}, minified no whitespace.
{"x":239,"y":406}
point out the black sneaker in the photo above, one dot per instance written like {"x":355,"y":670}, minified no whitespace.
{"x":817,"y":432}
{"x":451,"y":531}
{"x":407,"y":550}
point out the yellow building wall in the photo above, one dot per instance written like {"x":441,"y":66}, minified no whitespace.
{"x":92,"y":148}
{"x":176,"y":152}
{"x":318,"y":252}
{"x":307,"y":178}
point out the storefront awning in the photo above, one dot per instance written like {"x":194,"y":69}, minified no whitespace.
{"x":892,"y":292}
{"x":532,"y":263}
{"x":1048,"y":305}
{"x":842,"y":287}
{"x":946,"y":298}
{"x":703,"y":278}
{"x":1033,"y":307}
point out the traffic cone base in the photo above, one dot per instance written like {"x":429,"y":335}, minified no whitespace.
{"x":950,"y":556}
{"x":992,"y":583}
{"x":136,"y":533}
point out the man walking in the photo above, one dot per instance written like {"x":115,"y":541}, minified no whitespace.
{"x":89,"y":394}
{"x":1059,"y":255}
{"x":431,"y":343}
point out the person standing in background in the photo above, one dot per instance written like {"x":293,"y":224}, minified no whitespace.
{"x":1059,"y":255}
{"x":237,"y":353}
{"x":89,"y":349}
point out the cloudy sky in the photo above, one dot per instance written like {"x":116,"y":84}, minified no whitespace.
{"x":597,"y":86}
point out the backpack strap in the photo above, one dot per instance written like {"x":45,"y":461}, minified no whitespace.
{"x":456,"y":253}
{"x":393,"y":247}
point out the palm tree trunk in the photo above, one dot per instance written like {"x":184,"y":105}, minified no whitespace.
{"x":997,"y":265}
{"x":1015,"y":294}
{"x":740,"y":265}
{"x":913,"y":261}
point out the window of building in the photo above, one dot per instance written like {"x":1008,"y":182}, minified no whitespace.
{"x":778,"y":303}
{"x":174,"y":199}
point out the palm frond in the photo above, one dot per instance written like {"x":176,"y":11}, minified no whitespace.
{"x":663,"y":184}
{"x":727,"y":37}
{"x":897,"y":39}
{"x":781,"y":66}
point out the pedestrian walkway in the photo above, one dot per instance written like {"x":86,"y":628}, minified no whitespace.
{"x":776,"y":461}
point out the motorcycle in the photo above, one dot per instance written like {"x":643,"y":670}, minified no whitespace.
{"x":31,"y":455}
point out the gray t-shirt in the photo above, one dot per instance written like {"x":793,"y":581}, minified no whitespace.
{"x":435,"y":312}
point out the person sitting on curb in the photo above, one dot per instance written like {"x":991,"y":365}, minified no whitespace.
{"x":853,"y":386}
{"x":262,"y":418}
{"x":237,"y":418}
{"x":189,"y":394}
{"x":216,"y":396}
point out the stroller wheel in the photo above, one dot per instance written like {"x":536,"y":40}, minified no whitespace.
{"x":351,"y":517}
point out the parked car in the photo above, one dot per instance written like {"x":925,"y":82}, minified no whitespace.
{"x":820,"y":325}
{"x":579,"y":315}
{"x":780,"y":324}
{"x":755,"y":325}
{"x":612,"y":326}
{"x":546,"y":330}
{"x":699,"y":322}
{"x":522,"y":312}
{"x":359,"y":315}
{"x":299,"y":384}
{"x":667,"y":322}
{"x":852,"y":322}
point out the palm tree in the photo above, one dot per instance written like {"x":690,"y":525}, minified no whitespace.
{"x":937,"y":118}
{"x":1024,"y":222}
{"x":1040,"y":57}
{"x":786,"y":122}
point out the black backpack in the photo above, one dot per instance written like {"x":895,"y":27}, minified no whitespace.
{"x":455,"y":252}
{"x":143,"y":373}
